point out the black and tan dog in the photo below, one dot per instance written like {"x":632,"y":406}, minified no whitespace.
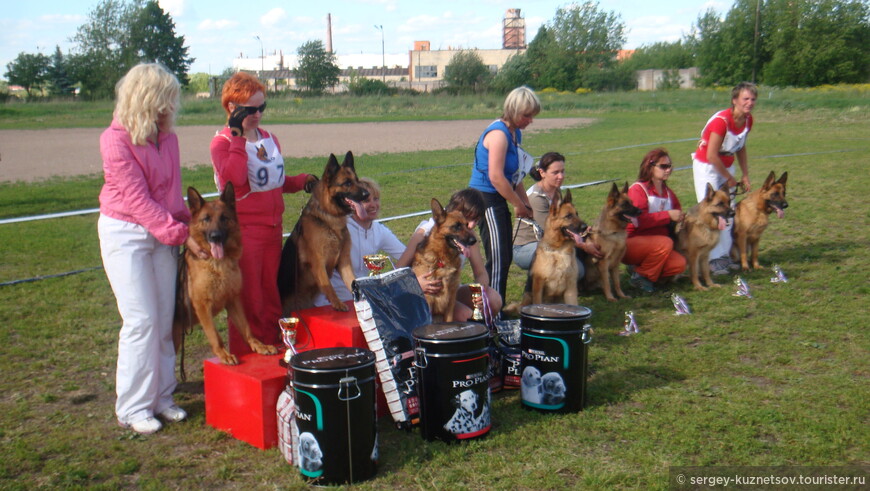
{"x":208,"y":286}
{"x":609,"y":235}
{"x":320,"y":242}
{"x":439,"y":253}
{"x":553,"y":273}
{"x":699,"y":232}
{"x":752,"y":216}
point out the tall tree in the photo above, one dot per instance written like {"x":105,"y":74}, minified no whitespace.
{"x":515,"y":72}
{"x":590,"y":36}
{"x":29,"y":71}
{"x":317,"y":70}
{"x":549,"y":63}
{"x":466,"y":73}
{"x":58,"y":75}
{"x":152,"y":38}
{"x":97,"y":61}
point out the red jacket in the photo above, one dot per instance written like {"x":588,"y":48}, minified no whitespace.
{"x":230,"y":161}
{"x":655,"y":223}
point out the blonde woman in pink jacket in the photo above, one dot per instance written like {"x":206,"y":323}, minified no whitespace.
{"x":143,"y":221}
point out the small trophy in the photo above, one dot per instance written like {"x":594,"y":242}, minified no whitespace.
{"x":375,"y":263}
{"x":476,"y":295}
{"x":780,"y":276}
{"x":742,"y":288}
{"x":682,"y":308}
{"x":288,"y":333}
{"x":630,"y":325}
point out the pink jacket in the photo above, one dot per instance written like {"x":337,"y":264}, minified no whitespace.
{"x":230,"y":161}
{"x":143,"y":184}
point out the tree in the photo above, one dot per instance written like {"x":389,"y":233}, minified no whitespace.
{"x":58,"y":75}
{"x":152,"y":38}
{"x":662,"y":56}
{"x":100,"y":43}
{"x":549,"y":64}
{"x":515,"y":72}
{"x":317,"y":70}
{"x":466,"y":73}
{"x":29,"y":71}
{"x":591,"y":37}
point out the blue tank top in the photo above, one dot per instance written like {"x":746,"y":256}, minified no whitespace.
{"x":480,"y":173}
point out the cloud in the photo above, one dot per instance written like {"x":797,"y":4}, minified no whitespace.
{"x":216,"y":24}
{"x":175,"y":8}
{"x":274,"y":18}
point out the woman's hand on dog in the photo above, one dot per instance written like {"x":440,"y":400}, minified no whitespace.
{"x":310,"y":182}
{"x":195,"y":249}
{"x":591,"y":249}
{"x":428,"y":285}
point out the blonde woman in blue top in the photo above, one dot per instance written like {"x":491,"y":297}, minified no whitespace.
{"x":500,"y":165}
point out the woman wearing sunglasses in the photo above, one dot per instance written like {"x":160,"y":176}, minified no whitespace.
{"x":250,"y":158}
{"x":649,"y":247}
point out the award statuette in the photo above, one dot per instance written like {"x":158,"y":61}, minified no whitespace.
{"x":288,"y":333}
{"x":476,"y":295}
{"x":375,"y":263}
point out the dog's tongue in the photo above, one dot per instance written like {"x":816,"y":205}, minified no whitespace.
{"x":779,"y":212}
{"x":217,"y":250}
{"x":578,"y":239}
{"x":722,"y":223}
{"x":633,"y":220}
{"x":463,"y":249}
{"x":358,"y":209}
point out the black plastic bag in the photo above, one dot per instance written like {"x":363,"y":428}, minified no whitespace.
{"x":389,"y":307}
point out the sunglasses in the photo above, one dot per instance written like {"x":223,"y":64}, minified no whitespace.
{"x":253,"y":109}
{"x":664,"y":166}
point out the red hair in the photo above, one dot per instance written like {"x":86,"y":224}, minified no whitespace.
{"x":239,"y":88}
{"x":649,"y":161}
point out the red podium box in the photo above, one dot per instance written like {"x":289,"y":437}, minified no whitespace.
{"x":242,"y":399}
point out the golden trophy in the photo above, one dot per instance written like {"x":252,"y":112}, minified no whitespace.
{"x":375,"y":263}
{"x":476,"y":296}
{"x":288,"y":333}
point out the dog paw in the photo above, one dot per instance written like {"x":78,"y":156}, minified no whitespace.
{"x":340,"y":307}
{"x":263,"y":349}
{"x":714,"y":285}
{"x":701,"y":288}
{"x":228,"y":359}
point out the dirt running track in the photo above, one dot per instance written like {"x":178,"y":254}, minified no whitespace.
{"x":32,"y":155}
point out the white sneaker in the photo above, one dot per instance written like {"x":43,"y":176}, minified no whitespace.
{"x":145,"y":426}
{"x":173,"y":414}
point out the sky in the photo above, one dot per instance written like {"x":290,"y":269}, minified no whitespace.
{"x":217,"y":31}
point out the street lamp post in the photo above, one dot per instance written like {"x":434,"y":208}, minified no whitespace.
{"x":262,"y":54}
{"x":383,"y":56}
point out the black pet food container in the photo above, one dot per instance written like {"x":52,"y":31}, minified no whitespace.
{"x":553,"y":351}
{"x":334,"y":392}
{"x":452,"y":361}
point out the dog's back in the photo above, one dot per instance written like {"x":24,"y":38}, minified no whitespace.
{"x":320,"y":242}
{"x":609,"y":235}
{"x":752,"y":215}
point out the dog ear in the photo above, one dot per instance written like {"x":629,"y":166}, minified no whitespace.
{"x":783,"y":178}
{"x":331,"y":168}
{"x":710,"y":192}
{"x":567,"y":196}
{"x":348,"y":160}
{"x":625,"y":188}
{"x":438,"y":212}
{"x":613,"y":195}
{"x":769,"y":181}
{"x":229,"y":195}
{"x":194,"y":199}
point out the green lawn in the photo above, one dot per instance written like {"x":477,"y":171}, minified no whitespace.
{"x":778,"y":379}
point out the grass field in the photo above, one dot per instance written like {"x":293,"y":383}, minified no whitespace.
{"x":778,"y":379}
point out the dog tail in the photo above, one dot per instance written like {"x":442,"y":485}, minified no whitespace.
{"x":182,"y":322}
{"x":287,"y":270}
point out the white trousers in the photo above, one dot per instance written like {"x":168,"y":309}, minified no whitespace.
{"x":705,"y":173}
{"x":142,"y":273}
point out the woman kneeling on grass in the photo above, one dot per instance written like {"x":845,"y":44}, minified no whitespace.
{"x":649,"y":247}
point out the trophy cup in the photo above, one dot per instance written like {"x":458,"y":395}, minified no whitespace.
{"x":375,"y":263}
{"x":476,"y":295}
{"x":288,"y":333}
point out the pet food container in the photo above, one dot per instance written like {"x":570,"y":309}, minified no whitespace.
{"x":334,"y":393}
{"x":553,"y":357}
{"x":452,"y":364}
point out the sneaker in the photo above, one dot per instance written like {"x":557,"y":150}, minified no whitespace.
{"x":173,"y":414}
{"x":642,"y":283}
{"x":719,"y":267}
{"x":145,"y":426}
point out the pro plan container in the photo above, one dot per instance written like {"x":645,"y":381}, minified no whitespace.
{"x":553,"y":350}
{"x":334,"y":393}
{"x":452,"y":361}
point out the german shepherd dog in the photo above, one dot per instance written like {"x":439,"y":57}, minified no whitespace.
{"x":609,"y":235}
{"x":699,"y":232}
{"x":751,"y":217}
{"x":439,"y":253}
{"x":320,"y":242}
{"x":207,"y":286}
{"x":553,"y":274}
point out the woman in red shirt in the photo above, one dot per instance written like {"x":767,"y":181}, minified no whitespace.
{"x":649,"y":247}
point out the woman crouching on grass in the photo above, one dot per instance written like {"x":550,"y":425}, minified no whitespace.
{"x":649,"y":247}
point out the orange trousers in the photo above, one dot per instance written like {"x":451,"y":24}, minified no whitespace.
{"x":653,"y":256}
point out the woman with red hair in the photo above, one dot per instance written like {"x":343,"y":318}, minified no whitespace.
{"x":250,"y":158}
{"x":649,"y":247}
